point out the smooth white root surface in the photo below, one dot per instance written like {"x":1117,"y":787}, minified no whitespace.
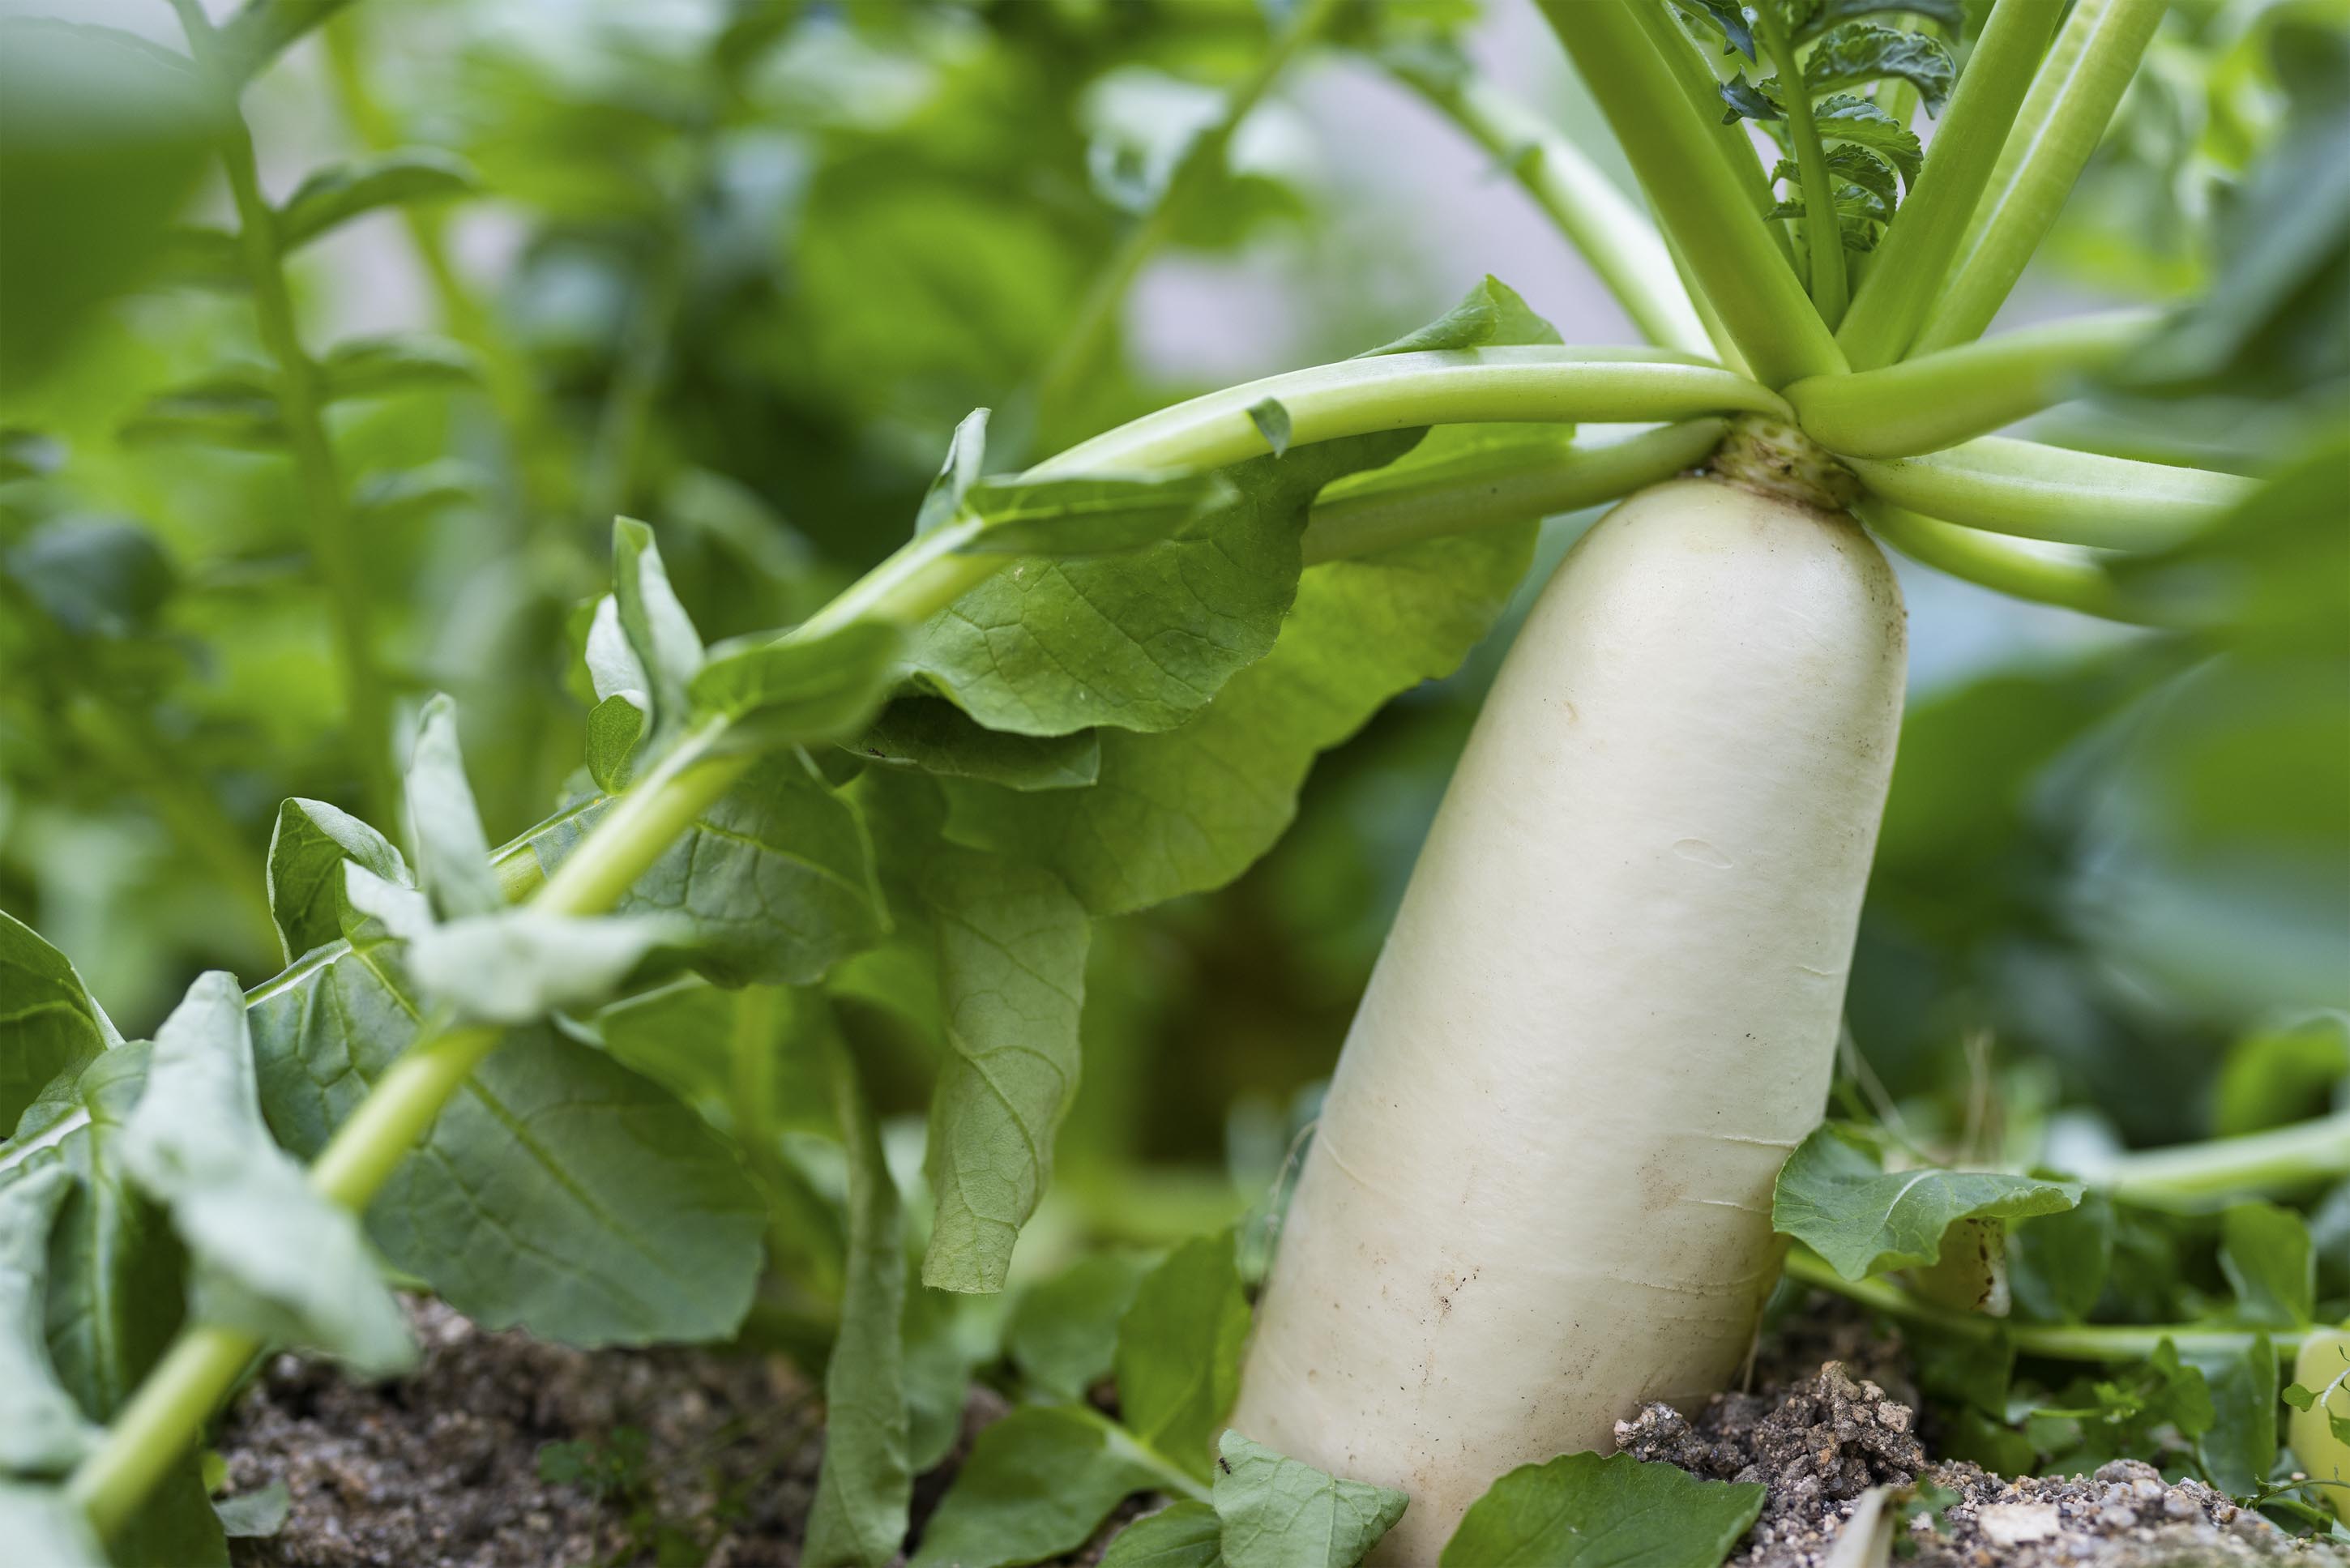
{"x":1540,"y":1193}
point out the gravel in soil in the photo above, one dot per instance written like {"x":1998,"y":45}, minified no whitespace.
{"x":1821,"y":1442}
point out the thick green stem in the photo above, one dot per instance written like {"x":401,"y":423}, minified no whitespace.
{"x":1935,"y":401}
{"x":1081,"y":345}
{"x":1822,"y":230}
{"x":2062,"y":574}
{"x":2057,"y":1342}
{"x":160,"y":1424}
{"x":1481,"y":491}
{"x":1622,"y":247}
{"x":2198,"y":1174}
{"x":2062,"y":119}
{"x":300,"y":401}
{"x":1703,"y":192}
{"x":1918,"y":245}
{"x":2036,"y":492}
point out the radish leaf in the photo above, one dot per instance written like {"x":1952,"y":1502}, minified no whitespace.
{"x":1836,"y":1198}
{"x":939,"y":738}
{"x":38,"y":1523}
{"x":2265,"y":1253}
{"x":307,"y":852}
{"x":1853,"y":54}
{"x":1179,"y":1351}
{"x":50,"y":1027}
{"x":1011,"y":964}
{"x":341,"y":192}
{"x":1080,"y":515}
{"x":42,"y":1430}
{"x":1062,"y":1333}
{"x":1492,"y":313}
{"x":1580,"y":1510}
{"x":793,"y":692}
{"x":1186,"y":1534}
{"x":1279,"y":1513}
{"x":1038,"y":1483}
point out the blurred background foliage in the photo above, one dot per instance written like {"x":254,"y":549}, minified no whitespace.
{"x":740,"y":269}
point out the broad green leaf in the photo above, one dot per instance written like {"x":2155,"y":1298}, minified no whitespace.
{"x":1580,"y":1510}
{"x":273,"y":1258}
{"x":1038,"y":1483}
{"x":444,"y":826}
{"x":307,"y":851}
{"x":775,"y":881}
{"x":2241,"y":1448}
{"x":2265,"y":1251}
{"x":1179,"y":1351}
{"x":341,"y":192}
{"x":939,"y":738}
{"x":749,"y":1058}
{"x":41,"y":1527}
{"x":1186,"y":1535}
{"x":866,"y":1484}
{"x":1843,"y":118}
{"x":558,"y":1191}
{"x":1139,"y":642}
{"x":48,"y":1025}
{"x":2057,"y":1263}
{"x":1077,"y":515}
{"x":1280,"y":1512}
{"x":388,"y":367}
{"x":1194,"y":808}
{"x":942,"y":1352}
{"x":1853,"y":54}
{"x":1012,"y":964}
{"x":400,"y":495}
{"x":520,"y":964}
{"x":800,"y":692}
{"x":1835,"y":1197}
{"x":1491,"y":314}
{"x":2276,"y":1076}
{"x":966,"y":452}
{"x":1062,"y":1333}
{"x":615,"y":725}
{"x":42,"y":1430}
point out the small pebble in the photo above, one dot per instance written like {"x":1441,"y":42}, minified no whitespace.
{"x":2116,"y":1517}
{"x":2179,"y":1505}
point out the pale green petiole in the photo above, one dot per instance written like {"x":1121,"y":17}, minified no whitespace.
{"x":2201,"y":1175}
{"x":2062,"y":575}
{"x":2036,"y":492}
{"x":1936,"y":400}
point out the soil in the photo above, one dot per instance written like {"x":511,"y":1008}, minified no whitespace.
{"x":503,"y":1452}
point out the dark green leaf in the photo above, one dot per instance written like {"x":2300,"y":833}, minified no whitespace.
{"x":1491,"y":315}
{"x":1188,"y":1534}
{"x":42,"y":1430}
{"x":1835,"y":1197}
{"x":341,"y":192}
{"x":2058,"y":1262}
{"x":2240,"y":1449}
{"x":233,"y":409}
{"x":646,"y":641}
{"x":939,"y":738}
{"x":1580,"y":1510}
{"x":1853,"y":54}
{"x":1192,"y":809}
{"x":858,"y":1519}
{"x":794,"y":692}
{"x":1038,"y":1483}
{"x":273,"y":1258}
{"x":1733,"y":21}
{"x":1179,"y":1351}
{"x":1852,"y":165}
{"x":49,"y":1025}
{"x":1012,"y":963}
{"x":387,"y":367}
{"x":1079,"y":515}
{"x":1279,"y":1513}
{"x":615,"y":725}
{"x":558,"y":1191}
{"x":1140,"y":641}
{"x":2264,"y":1251}
{"x":1062,"y":1333}
{"x":1272,"y":421}
{"x":307,"y":851}
{"x":2276,"y":1076}
{"x":1845,"y":119}
{"x":1747,"y":102}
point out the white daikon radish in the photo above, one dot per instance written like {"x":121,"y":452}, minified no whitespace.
{"x":1540,"y":1191}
